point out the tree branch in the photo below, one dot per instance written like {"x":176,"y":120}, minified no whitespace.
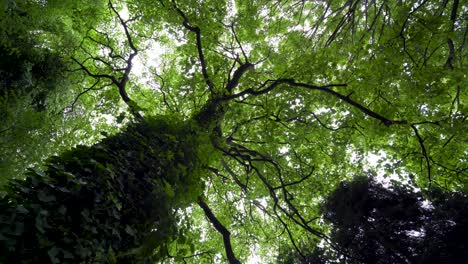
{"x":92,"y":87}
{"x":232,"y":83}
{"x":221,"y":229}
{"x":250,"y":156}
{"x":238,"y":42}
{"x":424,"y":152}
{"x":451,"y":46}
{"x":201,"y":55}
{"x":233,"y":174}
{"x":97,"y":76}
{"x":327,"y":89}
{"x":121,"y":82}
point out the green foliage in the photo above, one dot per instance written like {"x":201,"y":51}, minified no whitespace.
{"x":333,"y":89}
{"x":112,"y":202}
{"x":372,"y":223}
{"x":394,"y":224}
{"x":38,"y":82}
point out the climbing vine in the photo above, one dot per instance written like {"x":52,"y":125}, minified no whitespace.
{"x":109,"y":203}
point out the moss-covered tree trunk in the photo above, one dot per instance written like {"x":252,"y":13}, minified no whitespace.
{"x":109,"y":203}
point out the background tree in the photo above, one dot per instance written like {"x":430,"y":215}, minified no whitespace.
{"x":395,"y":224}
{"x":372,"y":223}
{"x":38,"y":82}
{"x":296,"y":96}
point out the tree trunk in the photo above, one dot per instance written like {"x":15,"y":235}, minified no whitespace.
{"x":111,"y":202}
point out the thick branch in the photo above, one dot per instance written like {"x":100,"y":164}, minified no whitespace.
{"x":123,"y":81}
{"x":453,"y":18}
{"x":124,"y":24}
{"x":453,"y":13}
{"x":201,"y":55}
{"x":232,"y":84}
{"x":221,"y":229}
{"x":451,"y":56}
{"x":349,"y":101}
{"x":327,"y":89}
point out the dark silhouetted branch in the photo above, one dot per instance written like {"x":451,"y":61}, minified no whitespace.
{"x":97,"y":76}
{"x":123,"y":81}
{"x":221,"y":229}
{"x":120,"y":82}
{"x":232,"y":84}
{"x":201,"y":55}
{"x":264,"y":88}
{"x":424,"y":152}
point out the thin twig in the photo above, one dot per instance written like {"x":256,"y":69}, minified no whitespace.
{"x":424,"y":152}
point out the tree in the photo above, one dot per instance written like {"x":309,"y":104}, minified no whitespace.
{"x":37,"y":83}
{"x":93,"y":201}
{"x":286,"y":99}
{"x":395,"y":224}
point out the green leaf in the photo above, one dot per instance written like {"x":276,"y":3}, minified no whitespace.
{"x":20,"y":208}
{"x":53,"y":252}
{"x":44,"y":197}
{"x":111,"y":256}
{"x":130,"y":231}
{"x":168,"y":189}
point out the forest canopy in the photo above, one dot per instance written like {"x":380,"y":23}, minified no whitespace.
{"x":232,"y":131}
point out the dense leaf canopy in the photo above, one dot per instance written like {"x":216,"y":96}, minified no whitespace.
{"x":394,"y":224}
{"x":274,"y":104}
